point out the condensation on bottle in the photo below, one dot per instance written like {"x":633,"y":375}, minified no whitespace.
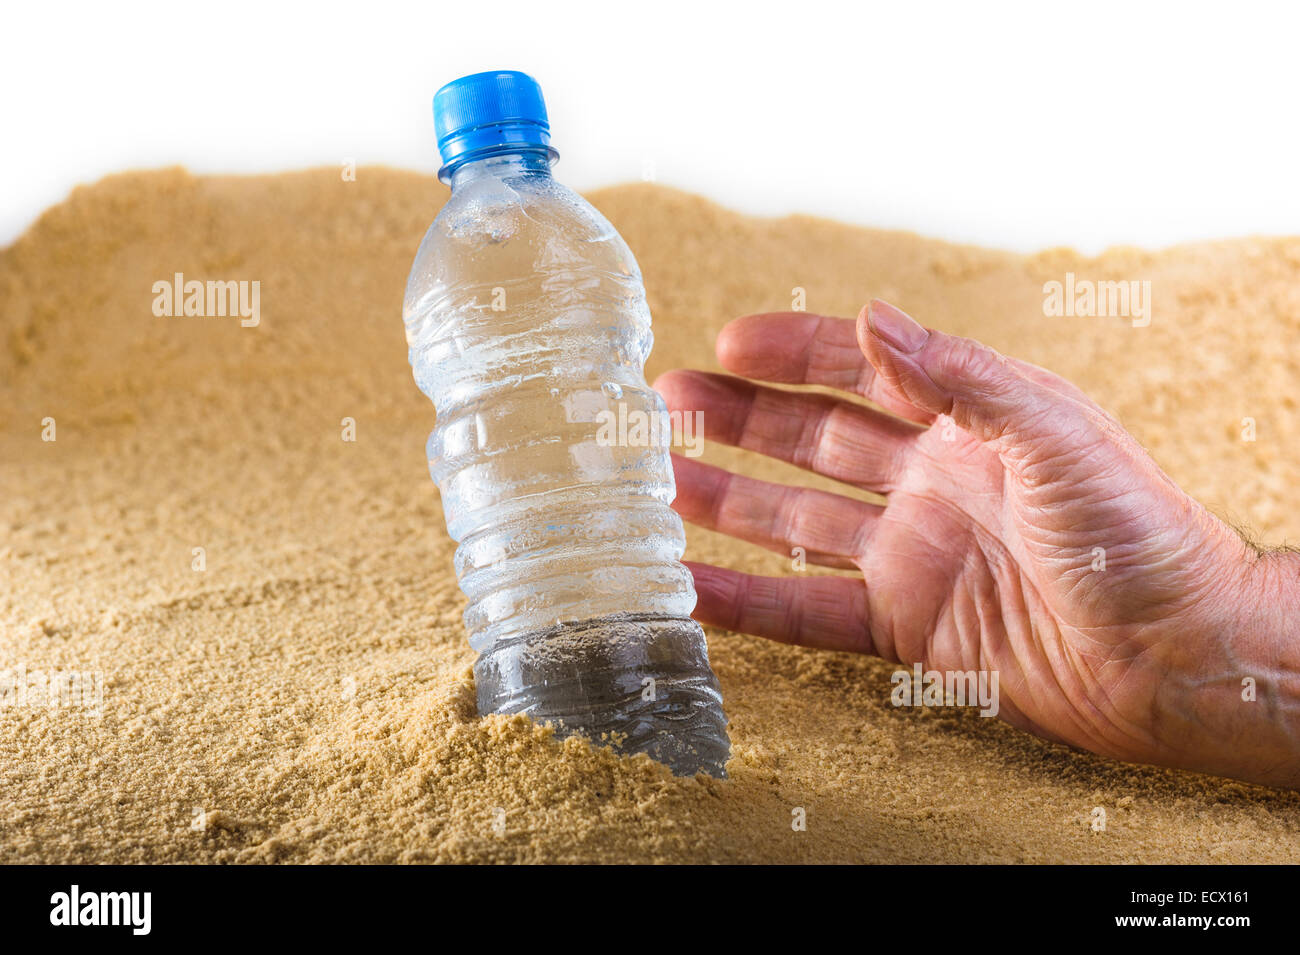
{"x":527,"y":325}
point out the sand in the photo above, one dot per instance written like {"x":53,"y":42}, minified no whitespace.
{"x":307,"y":697}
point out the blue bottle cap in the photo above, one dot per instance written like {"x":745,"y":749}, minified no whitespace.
{"x":485,"y":113}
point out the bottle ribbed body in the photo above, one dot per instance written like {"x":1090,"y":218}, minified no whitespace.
{"x":528,"y":328}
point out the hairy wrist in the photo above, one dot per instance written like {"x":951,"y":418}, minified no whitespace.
{"x":1239,"y":713}
{"x":1275,"y":653}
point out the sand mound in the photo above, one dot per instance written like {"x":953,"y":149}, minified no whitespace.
{"x":306,"y":696}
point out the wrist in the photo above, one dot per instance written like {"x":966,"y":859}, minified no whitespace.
{"x":1275,"y":652}
{"x":1243,"y":712}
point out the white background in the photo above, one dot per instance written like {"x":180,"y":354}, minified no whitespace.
{"x":1015,"y":125}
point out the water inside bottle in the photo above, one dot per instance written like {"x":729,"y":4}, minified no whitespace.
{"x":528,"y":326}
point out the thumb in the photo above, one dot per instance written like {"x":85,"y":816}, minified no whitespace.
{"x":982,"y":391}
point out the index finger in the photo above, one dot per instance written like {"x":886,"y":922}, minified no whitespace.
{"x":803,"y":348}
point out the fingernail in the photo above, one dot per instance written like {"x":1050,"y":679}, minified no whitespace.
{"x":895,"y":326}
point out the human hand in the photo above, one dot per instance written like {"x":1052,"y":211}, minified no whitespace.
{"x":1002,"y":481}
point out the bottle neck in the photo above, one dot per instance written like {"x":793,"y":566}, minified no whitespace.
{"x":504,"y":165}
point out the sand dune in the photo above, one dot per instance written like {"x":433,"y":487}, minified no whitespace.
{"x":306,"y":695}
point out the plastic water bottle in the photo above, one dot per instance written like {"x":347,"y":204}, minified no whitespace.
{"x":528,"y":328}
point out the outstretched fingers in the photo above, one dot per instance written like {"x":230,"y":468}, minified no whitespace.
{"x":800,"y":348}
{"x":828,"y":613}
{"x":832,"y":530}
{"x":843,"y":441}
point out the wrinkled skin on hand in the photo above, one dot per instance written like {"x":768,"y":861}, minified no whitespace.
{"x":1024,"y":532}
